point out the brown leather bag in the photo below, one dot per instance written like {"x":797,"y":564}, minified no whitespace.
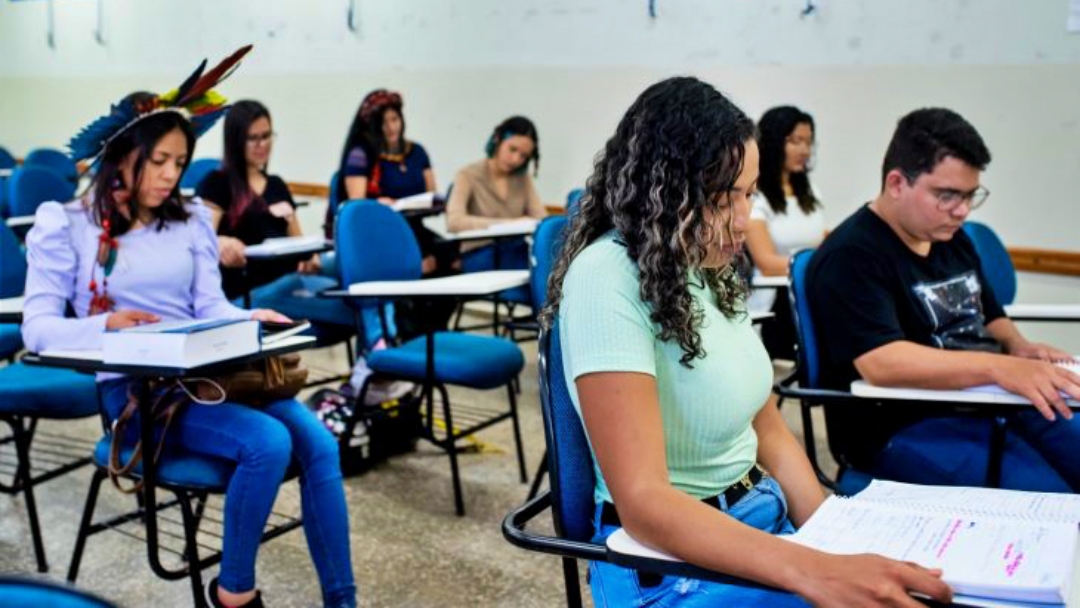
{"x":256,"y":384}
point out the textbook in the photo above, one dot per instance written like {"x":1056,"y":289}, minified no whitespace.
{"x":182,"y":344}
{"x":1009,"y":547}
{"x":286,"y":245}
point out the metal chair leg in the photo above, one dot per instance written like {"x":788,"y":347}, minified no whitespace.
{"x":23,"y":438}
{"x":573,"y":584}
{"x":541,"y":471}
{"x":191,"y":549}
{"x":517,"y":433}
{"x":84,"y":525}
{"x":451,"y":450}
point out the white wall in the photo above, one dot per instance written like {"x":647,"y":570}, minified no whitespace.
{"x":856,"y":65}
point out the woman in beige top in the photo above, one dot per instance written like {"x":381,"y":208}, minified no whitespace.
{"x":495,"y":190}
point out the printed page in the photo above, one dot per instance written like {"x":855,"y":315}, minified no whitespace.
{"x":988,"y":557}
{"x":1033,"y":506}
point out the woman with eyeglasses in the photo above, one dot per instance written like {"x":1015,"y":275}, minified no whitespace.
{"x":786,"y":215}
{"x":249,"y":205}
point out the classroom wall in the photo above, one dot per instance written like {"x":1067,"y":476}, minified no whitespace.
{"x":574,"y":66}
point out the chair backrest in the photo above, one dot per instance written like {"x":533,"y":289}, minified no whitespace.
{"x":25,"y":591}
{"x":374,"y":243}
{"x":570,"y":463}
{"x":31,"y":186}
{"x":7,"y":160}
{"x":547,"y":241}
{"x":572,"y":200}
{"x":807,"y":352}
{"x":996,"y":264}
{"x":197,"y":171}
{"x":55,"y":160}
{"x":12,"y":264}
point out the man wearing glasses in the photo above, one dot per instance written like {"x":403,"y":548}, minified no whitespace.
{"x":898,"y":298}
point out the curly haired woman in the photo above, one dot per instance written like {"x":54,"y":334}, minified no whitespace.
{"x":670,"y":379}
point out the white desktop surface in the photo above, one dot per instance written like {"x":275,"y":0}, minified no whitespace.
{"x":468,"y":284}
{"x":762,"y":282}
{"x":11,"y":305}
{"x":289,"y":245}
{"x":980,"y":394}
{"x":621,"y":542}
{"x":521,"y":227}
{"x":20,"y":220}
{"x":1037,"y":311}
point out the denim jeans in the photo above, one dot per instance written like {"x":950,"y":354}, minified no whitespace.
{"x":262,"y":443}
{"x":764,"y":507}
{"x":1040,"y":456}
{"x":295,"y":296}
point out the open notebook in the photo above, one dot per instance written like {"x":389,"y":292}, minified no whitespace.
{"x":1006,"y":547}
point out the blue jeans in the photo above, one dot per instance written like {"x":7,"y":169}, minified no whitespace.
{"x":295,"y":296}
{"x":513,"y":255}
{"x":763,"y":507}
{"x":262,"y":443}
{"x":1040,"y":456}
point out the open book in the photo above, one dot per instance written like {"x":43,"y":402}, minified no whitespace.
{"x":424,"y":200}
{"x":1018,"y":548}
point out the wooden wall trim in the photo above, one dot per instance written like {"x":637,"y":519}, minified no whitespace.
{"x":1046,"y":261}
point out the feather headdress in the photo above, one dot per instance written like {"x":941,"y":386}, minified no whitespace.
{"x":193,"y":99}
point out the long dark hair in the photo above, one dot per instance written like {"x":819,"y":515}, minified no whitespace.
{"x":678,"y":148}
{"x":142,"y":136}
{"x":366,"y":133}
{"x":516,"y":125}
{"x":775,"y":127}
{"x":238,"y":122}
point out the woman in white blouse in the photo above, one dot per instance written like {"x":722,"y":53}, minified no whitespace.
{"x":786,"y":215}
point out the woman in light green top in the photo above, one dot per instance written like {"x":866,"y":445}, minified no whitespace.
{"x":670,"y":379}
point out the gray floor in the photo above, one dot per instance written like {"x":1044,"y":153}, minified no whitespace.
{"x":408,"y":547}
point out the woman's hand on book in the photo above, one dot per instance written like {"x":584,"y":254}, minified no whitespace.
{"x":265,"y":314}
{"x":231,"y":251}
{"x":130,"y":318}
{"x":871,"y":580}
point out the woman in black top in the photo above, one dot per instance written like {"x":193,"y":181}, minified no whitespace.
{"x":249,"y":206}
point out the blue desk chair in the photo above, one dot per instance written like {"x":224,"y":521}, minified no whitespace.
{"x":573,"y":198}
{"x":570,"y":497}
{"x":547,"y":241}
{"x":197,"y":171}
{"x":30,"y":186}
{"x":374,"y":243}
{"x":191,"y":479}
{"x":55,"y":160}
{"x":23,"y":592}
{"x":7,"y":163}
{"x":804,"y":385}
{"x":12,"y":280}
{"x":994,"y":259}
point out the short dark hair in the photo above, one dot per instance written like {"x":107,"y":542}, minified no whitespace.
{"x":926,"y":137}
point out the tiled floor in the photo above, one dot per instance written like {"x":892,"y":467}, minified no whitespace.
{"x":408,"y":547}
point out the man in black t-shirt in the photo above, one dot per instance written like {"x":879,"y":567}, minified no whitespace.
{"x":898,"y":298}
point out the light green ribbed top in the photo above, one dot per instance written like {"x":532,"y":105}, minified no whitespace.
{"x":707,"y":411}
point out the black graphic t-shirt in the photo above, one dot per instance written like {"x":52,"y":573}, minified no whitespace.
{"x":867,"y":289}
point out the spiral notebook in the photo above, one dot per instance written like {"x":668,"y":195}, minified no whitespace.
{"x":1017,"y":548}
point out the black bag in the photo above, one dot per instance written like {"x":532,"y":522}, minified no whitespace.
{"x":375,"y":434}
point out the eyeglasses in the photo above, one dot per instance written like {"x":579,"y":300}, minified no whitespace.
{"x":949,"y":200}
{"x":261,"y":138}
